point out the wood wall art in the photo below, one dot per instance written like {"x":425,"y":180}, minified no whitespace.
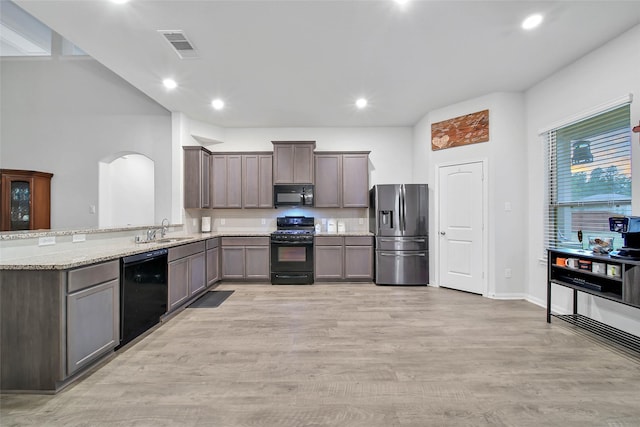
{"x":463,"y":130}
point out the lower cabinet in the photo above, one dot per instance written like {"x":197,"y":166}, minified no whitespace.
{"x":55,"y":323}
{"x":213,"y":261}
{"x":187,"y":273}
{"x":93,"y":313}
{"x":348,"y":258}
{"x":245,"y":258}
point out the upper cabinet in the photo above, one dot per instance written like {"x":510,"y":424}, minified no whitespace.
{"x":197,"y":193}
{"x":241,"y":180}
{"x":293,"y":162}
{"x":226,"y":180}
{"x":257,"y":181}
{"x":341,"y":180}
{"x":25,"y":201}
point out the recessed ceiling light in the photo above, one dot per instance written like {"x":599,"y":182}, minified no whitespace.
{"x":532,"y":21}
{"x":361,"y":103}
{"x":217,"y":104}
{"x":120,"y":1}
{"x":401,"y":1}
{"x":170,"y":83}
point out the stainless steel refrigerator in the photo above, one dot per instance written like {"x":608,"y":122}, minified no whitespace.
{"x":399,"y":218}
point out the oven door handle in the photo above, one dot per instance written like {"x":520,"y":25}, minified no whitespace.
{"x":292,"y":243}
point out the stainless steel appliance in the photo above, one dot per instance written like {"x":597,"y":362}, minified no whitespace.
{"x":398,"y":216}
{"x":143,"y":292}
{"x":291,"y":195}
{"x":292,"y":251}
{"x":629,"y":227}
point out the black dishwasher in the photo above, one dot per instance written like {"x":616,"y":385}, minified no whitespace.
{"x":143,"y":292}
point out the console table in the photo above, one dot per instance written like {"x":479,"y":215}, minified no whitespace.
{"x":603,"y":276}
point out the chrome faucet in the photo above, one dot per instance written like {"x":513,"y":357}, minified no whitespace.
{"x":164,"y":227}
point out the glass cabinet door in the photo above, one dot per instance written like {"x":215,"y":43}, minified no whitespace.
{"x":20,"y":205}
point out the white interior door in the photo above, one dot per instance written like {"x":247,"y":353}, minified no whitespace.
{"x":460,"y":217}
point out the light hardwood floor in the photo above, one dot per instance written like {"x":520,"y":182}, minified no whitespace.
{"x":351,"y":355}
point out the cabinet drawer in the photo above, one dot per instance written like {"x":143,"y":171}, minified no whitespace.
{"x":358,"y":241}
{"x":245,"y":241}
{"x":328,"y":241}
{"x":186,"y":250}
{"x":213,"y":243}
{"x":84,"y":277}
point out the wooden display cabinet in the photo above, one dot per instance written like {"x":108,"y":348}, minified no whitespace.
{"x":25,"y":202}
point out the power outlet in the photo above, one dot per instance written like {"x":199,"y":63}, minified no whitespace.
{"x":507,"y":273}
{"x":92,"y":209}
{"x":222,"y":221}
{"x":79,"y":238}
{"x":361,"y":221}
{"x":264,"y":221}
{"x":324,"y":221}
{"x":47,"y":241}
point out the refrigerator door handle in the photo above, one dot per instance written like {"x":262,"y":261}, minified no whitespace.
{"x":403,"y":207}
{"x":402,"y":239}
{"x":401,"y":254}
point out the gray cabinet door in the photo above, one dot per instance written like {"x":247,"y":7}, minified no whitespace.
{"x":355,"y":180}
{"x":196,"y":177}
{"x":358,"y":262}
{"x":226,"y":181}
{"x":197,"y":273}
{"x":328,"y":186}
{"x":218,"y":181}
{"x":213,"y":266}
{"x":233,"y":262}
{"x":234,"y":181}
{"x":257,"y":263}
{"x":257,"y":181}
{"x":293,"y":162}
{"x":178,"y":282}
{"x":303,"y":164}
{"x":328,"y":262}
{"x":93,"y":323}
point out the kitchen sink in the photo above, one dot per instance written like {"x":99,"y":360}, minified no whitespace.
{"x":170,"y":239}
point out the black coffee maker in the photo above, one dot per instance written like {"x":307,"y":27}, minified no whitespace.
{"x":629,"y":227}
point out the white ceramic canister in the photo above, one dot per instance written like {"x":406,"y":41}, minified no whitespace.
{"x":342,"y":228}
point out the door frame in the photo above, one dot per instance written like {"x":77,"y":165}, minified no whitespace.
{"x":485,"y":223}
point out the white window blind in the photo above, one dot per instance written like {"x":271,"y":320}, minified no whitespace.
{"x":588,"y":165}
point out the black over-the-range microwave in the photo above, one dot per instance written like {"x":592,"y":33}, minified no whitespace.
{"x":293,"y":195}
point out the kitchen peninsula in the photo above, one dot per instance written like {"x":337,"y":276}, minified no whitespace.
{"x":52,"y":296}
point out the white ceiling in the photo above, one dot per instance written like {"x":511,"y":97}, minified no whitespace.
{"x":303,"y":63}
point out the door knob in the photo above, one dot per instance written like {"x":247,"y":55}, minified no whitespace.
{"x":442,"y":233}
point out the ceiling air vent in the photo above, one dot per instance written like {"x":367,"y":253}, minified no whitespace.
{"x":180,"y":43}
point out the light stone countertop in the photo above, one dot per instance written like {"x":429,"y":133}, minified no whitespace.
{"x":72,"y":255}
{"x":78,"y":254}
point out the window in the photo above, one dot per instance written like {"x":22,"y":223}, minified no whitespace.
{"x":589,"y":178}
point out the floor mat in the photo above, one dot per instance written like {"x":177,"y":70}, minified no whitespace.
{"x":211,"y":299}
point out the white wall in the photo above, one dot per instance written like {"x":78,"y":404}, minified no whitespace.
{"x":63,"y":115}
{"x":505,"y":153}
{"x":601,"y":76}
{"x":391,"y":147}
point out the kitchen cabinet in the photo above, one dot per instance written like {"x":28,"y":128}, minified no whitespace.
{"x":197,"y":191}
{"x":293,"y":162}
{"x":257,"y":180}
{"x":187,"y":273}
{"x":56,"y":323}
{"x":342,"y":179}
{"x":328,"y":258}
{"x":93,"y":313}
{"x":245,"y":258}
{"x":213,"y":261}
{"x":25,"y":200}
{"x":343,"y":258}
{"x":358,"y":258}
{"x":226,"y":181}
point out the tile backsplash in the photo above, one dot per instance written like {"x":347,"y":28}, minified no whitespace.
{"x":239,"y":220}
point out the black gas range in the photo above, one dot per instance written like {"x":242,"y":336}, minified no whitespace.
{"x":292,"y":251}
